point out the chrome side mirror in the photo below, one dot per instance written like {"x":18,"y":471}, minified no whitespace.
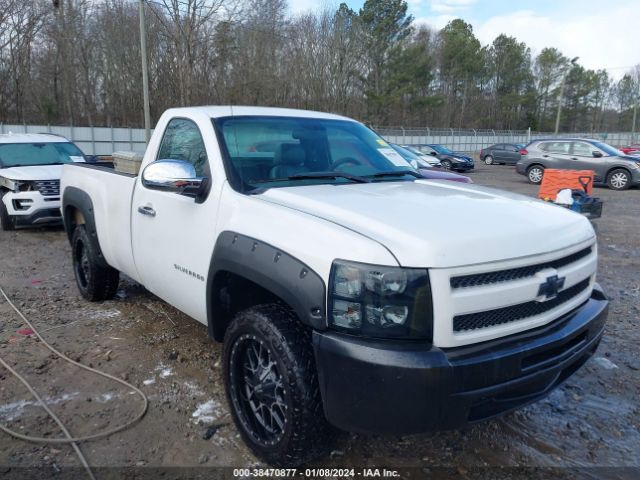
{"x":175,"y":176}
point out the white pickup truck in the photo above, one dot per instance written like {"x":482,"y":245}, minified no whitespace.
{"x":347,"y":290}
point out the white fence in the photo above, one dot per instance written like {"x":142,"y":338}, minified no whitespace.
{"x":105,"y":140}
{"x":91,"y":140}
{"x":471,"y":141}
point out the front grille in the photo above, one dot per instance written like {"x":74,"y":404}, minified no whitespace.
{"x":511,"y":274}
{"x":48,"y":188}
{"x":473,"y":321}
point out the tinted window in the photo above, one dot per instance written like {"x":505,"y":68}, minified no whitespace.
{"x":499,"y":146}
{"x":16,"y":154}
{"x":182,"y":141}
{"x":441,"y":149}
{"x":555,"y":147}
{"x":606,"y":148}
{"x":583,"y":149}
{"x":428,"y":150}
{"x":303,"y":146}
{"x":414,"y":159}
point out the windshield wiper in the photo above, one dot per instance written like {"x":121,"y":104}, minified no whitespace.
{"x":396,"y":173}
{"x":318,"y":175}
{"x":348,"y":176}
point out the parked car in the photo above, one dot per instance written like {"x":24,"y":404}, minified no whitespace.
{"x":618,"y":171}
{"x":629,"y":149}
{"x":30,"y":168}
{"x":426,"y":170}
{"x":502,"y":153}
{"x":449,"y":160}
{"x":426,"y":158}
{"x":345,"y":291}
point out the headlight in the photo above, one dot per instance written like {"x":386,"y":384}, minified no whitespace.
{"x":21,"y":186}
{"x":377,"y":301}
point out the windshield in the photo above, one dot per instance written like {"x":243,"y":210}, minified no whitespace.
{"x":608,"y":149}
{"x":413,"y":150}
{"x":30,"y":154}
{"x":266,"y":152}
{"x":411,"y":156}
{"x":441,"y":149}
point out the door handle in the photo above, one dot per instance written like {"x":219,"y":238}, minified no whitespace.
{"x":573,"y":158}
{"x":545,"y":156}
{"x":146,"y":210}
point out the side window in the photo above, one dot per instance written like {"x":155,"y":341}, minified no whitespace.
{"x":556,"y":147}
{"x":428,"y":150}
{"x":499,"y":146}
{"x":583,"y":149}
{"x":182,"y":141}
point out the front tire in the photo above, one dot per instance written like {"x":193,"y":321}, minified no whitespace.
{"x":7,"y":222}
{"x":535,"y":174}
{"x":619,"y":179}
{"x":95,"y":281}
{"x":446,"y":164}
{"x":272,"y":386}
{"x":488,"y":160}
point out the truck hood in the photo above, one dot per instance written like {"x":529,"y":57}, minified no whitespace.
{"x":36,"y":172}
{"x":440,"y":224}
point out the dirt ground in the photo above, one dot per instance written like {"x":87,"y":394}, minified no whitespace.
{"x":591,"y":422}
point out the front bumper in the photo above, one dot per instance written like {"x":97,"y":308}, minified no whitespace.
{"x":462,"y":166}
{"x":401,"y":388}
{"x":32,"y":208}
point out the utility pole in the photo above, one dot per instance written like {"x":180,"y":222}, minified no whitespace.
{"x":145,"y":73}
{"x":561,"y":94}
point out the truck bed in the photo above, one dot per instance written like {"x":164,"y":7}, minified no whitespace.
{"x":111,"y":193}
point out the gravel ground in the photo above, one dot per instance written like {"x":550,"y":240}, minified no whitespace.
{"x":592,"y":421}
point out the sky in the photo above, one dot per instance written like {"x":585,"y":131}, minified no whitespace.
{"x":603,"y":33}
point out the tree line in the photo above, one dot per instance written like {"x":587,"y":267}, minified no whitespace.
{"x":79,"y":64}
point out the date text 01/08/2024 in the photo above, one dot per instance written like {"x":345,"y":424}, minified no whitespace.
{"x":315,"y":472}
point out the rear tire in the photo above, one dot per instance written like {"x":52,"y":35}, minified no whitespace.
{"x":488,"y":160}
{"x":619,"y":179}
{"x":535,"y":173}
{"x":272,"y":386}
{"x":6,"y":221}
{"x":446,"y":164}
{"x":95,"y":281}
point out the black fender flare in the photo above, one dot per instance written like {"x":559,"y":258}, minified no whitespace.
{"x":272,"y":269}
{"x":74,"y":198}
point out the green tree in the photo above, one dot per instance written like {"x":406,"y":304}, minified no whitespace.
{"x":547,"y":70}
{"x":461,"y":65}
{"x":511,"y":81}
{"x":385,"y":26}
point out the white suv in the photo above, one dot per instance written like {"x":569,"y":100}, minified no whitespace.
{"x":30,"y":169}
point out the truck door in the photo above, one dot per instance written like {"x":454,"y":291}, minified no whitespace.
{"x":170,"y":230}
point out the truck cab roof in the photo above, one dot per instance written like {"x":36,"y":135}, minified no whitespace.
{"x":217,"y":111}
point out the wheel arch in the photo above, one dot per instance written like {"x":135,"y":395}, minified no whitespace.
{"x":536,"y":164}
{"x":617,"y":167}
{"x":77,"y":209}
{"x":245,"y":271}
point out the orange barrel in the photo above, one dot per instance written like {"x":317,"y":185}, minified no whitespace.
{"x":555,"y":180}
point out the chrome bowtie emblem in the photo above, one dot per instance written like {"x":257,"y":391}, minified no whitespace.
{"x":550,"y":288}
